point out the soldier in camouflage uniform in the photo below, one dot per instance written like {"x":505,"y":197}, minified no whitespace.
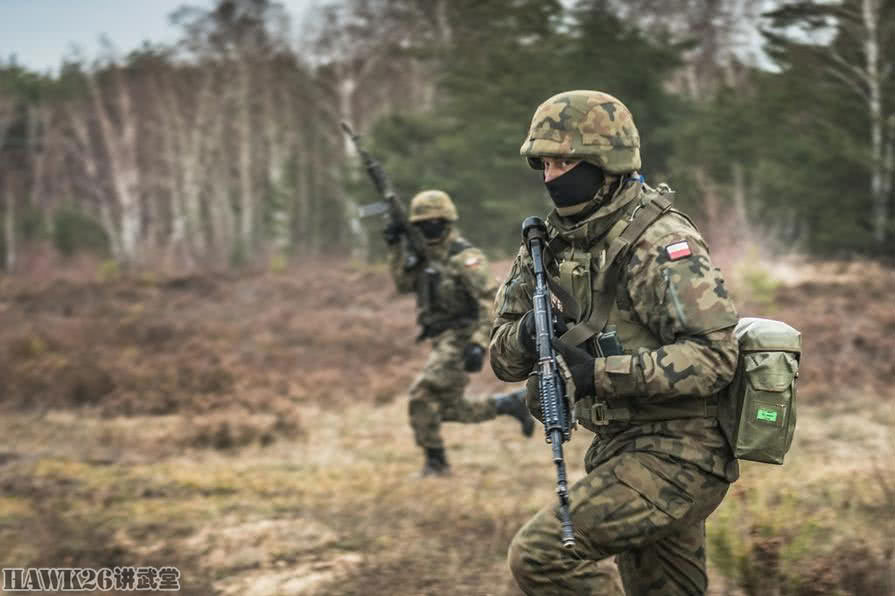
{"x":455,"y":294}
{"x":659,"y":464}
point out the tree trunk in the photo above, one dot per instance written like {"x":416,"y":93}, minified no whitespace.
{"x":710,"y":203}
{"x":9,"y":225}
{"x":172,"y":144}
{"x":222,"y":224}
{"x":743,"y":224}
{"x":279,"y":127}
{"x":86,"y":153}
{"x":38,"y":147}
{"x":246,"y":195}
{"x":870,"y":11}
{"x":195,"y":162}
{"x":121,"y":149}
{"x":359,"y":241}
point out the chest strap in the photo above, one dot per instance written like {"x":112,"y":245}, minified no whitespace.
{"x":620,"y":238}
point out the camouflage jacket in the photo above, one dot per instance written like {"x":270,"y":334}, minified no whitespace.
{"x":672,"y":314}
{"x":457,"y":292}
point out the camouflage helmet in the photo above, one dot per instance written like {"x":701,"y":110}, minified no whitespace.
{"x":432,"y":204}
{"x":589,"y":125}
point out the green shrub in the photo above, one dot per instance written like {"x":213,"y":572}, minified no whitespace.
{"x":32,"y":224}
{"x":74,"y":231}
{"x":278,"y":263}
{"x":761,"y":285}
{"x":109,"y":270}
{"x":799,"y":539}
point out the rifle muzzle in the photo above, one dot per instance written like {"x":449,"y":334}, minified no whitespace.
{"x":533,"y":228}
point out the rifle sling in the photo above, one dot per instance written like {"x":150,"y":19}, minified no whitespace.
{"x":620,"y":239}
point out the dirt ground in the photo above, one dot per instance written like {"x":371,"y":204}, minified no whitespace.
{"x":251,"y":429}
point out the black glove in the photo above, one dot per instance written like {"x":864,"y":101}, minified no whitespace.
{"x":473,"y":356}
{"x":393,"y":232}
{"x":527,"y":331}
{"x":581,"y":365}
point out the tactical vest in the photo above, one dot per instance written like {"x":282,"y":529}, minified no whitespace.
{"x":584,"y":285}
{"x":443,"y":301}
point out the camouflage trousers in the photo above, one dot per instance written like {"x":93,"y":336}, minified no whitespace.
{"x":436,"y":394}
{"x":648,"y":512}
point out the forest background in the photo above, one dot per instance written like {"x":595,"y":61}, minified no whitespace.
{"x":224,"y":148}
{"x":203,"y":361}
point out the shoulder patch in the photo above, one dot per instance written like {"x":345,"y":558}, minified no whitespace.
{"x":472,"y":261}
{"x":678,"y":250}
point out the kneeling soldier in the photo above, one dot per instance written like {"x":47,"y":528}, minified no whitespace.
{"x":454,"y":297}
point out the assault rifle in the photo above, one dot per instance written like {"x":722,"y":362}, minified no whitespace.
{"x":415,"y":244}
{"x":551,"y":389}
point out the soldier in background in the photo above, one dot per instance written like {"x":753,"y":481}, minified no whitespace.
{"x":648,"y":344}
{"x":455,"y":293}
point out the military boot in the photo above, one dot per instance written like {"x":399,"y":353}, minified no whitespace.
{"x":513,"y":404}
{"x":436,"y":463}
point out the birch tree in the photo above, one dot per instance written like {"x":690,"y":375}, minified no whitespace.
{"x":191,"y":103}
{"x":118,"y":145}
{"x":7,"y":106}
{"x":854,"y":44}
{"x":89,"y":183}
{"x":719,"y":38}
{"x":720,"y":42}
{"x":377,"y":57}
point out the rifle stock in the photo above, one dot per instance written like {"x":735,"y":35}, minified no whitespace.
{"x":551,"y":389}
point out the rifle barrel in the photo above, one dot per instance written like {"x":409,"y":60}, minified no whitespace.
{"x":557,"y":420}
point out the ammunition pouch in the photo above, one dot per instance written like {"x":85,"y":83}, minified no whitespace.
{"x":592,"y":413}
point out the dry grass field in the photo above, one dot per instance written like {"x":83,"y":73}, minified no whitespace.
{"x":252,"y":430}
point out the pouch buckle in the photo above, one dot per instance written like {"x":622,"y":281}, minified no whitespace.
{"x":599,"y":413}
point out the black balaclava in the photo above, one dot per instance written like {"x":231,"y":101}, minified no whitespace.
{"x":572,"y":191}
{"x":434,"y":230}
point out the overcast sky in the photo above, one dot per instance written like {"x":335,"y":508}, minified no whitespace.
{"x":41,"y":32}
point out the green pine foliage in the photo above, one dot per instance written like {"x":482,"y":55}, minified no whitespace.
{"x":800,"y":139}
{"x":506,"y":59}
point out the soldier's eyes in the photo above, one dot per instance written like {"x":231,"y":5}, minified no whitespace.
{"x":560,"y":163}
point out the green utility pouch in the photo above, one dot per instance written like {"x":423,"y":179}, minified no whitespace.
{"x":758,"y":412}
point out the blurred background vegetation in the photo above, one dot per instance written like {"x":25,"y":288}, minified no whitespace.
{"x":202,"y":363}
{"x":774,"y":121}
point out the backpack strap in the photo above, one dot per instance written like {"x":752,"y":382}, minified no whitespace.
{"x":620,"y":239}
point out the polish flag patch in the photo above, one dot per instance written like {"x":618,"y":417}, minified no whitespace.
{"x":472,"y":261}
{"x":678,"y":250}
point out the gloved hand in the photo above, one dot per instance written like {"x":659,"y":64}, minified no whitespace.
{"x":527,"y":331}
{"x":473,"y":357}
{"x":581,"y":367}
{"x":393,"y":232}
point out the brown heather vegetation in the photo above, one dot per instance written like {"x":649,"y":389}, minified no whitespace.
{"x":252,"y":430}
